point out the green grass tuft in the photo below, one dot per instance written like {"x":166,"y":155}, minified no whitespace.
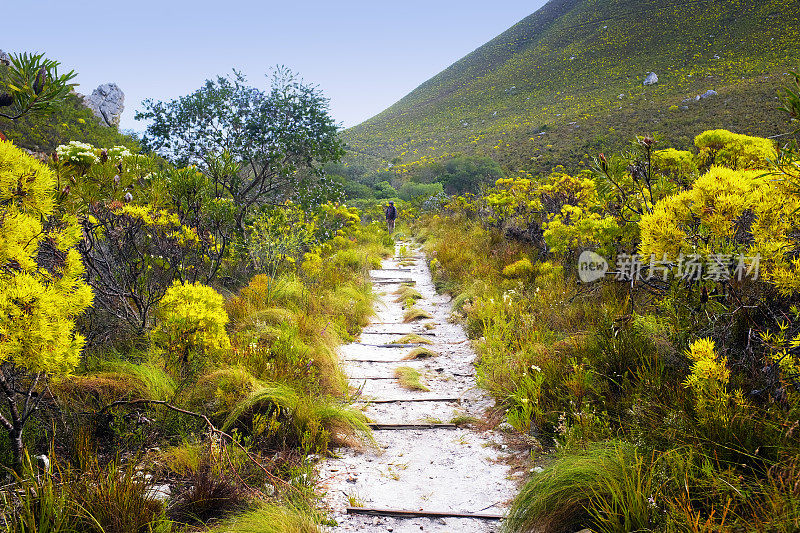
{"x":409,"y":378}
{"x":415,"y":314}
{"x":412,"y":338}
{"x":271,"y":518}
{"x":464,"y":420}
{"x":300,"y":417}
{"x":407,"y":293}
{"x":159,"y":384}
{"x":420,"y":353}
{"x":606,"y":488}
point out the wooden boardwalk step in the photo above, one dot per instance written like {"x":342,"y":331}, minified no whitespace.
{"x":412,"y":426}
{"x":421,"y":333}
{"x":407,"y":513}
{"x":376,"y":360}
{"x":405,"y":400}
{"x":394,"y":323}
{"x":410,"y":345}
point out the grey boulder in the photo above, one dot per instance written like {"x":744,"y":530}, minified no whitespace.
{"x":107,"y":102}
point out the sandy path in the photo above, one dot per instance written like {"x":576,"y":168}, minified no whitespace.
{"x":452,"y":470}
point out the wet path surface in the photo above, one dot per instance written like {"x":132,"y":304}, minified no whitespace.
{"x":440,"y":469}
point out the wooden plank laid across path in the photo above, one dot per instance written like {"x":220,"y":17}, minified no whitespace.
{"x":376,"y":360}
{"x":412,"y":426}
{"x":405,"y":400}
{"x":421,"y":333}
{"x":411,"y":345}
{"x":407,"y":513}
{"x":396,"y":324}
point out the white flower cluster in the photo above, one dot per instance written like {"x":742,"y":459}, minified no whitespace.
{"x":86,"y":154}
{"x":118,"y":153}
{"x":77,"y":152}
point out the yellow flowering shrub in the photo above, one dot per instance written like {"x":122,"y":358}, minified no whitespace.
{"x":38,"y":303}
{"x":39,"y":299}
{"x":675,"y":163}
{"x":701,"y":220}
{"x":733,"y":150}
{"x":708,"y":380}
{"x":576,"y":218}
{"x":730,"y":212}
{"x":191,"y":321}
{"x":512,"y":198}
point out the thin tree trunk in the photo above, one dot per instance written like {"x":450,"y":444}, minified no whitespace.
{"x":17,"y":449}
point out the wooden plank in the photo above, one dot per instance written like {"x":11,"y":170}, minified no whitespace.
{"x":408,"y":400}
{"x":389,"y":281}
{"x":376,"y":360}
{"x":421,"y":333}
{"x":392,"y":270}
{"x":408,"y":513}
{"x":393,"y":324}
{"x":411,"y":345}
{"x":357,"y":378}
{"x":411,"y":426}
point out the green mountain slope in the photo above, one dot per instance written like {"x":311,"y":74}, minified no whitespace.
{"x":567,"y":82}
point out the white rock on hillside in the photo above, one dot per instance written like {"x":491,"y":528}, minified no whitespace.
{"x":4,"y":59}
{"x":709,"y":93}
{"x":651,"y":79}
{"x":107,"y":102}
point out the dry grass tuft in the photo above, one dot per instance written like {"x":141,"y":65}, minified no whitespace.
{"x":420,"y":353}
{"x":414,"y":314}
{"x":412,"y":338}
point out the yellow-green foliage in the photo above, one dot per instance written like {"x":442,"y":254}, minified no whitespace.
{"x":191,"y":321}
{"x":709,"y":381}
{"x":676,"y":163}
{"x":566,"y":207}
{"x":511,"y":198}
{"x":733,"y":150}
{"x":38,"y":303}
{"x":716,"y":200}
{"x":270,"y":518}
{"x":155,"y":382}
{"x":783,"y":346}
{"x":218,"y":392}
{"x":729,"y":212}
{"x":266,"y":292}
{"x":278,"y":411}
{"x":519,"y":269}
{"x":279,"y":237}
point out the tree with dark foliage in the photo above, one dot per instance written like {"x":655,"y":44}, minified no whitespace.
{"x":257,"y":147}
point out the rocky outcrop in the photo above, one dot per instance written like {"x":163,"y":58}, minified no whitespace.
{"x":651,"y":79}
{"x":4,"y":59}
{"x":107,"y":102}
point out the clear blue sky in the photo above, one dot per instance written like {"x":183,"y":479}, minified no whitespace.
{"x":364,"y":55}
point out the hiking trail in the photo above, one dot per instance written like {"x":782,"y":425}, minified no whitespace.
{"x":426,"y":463}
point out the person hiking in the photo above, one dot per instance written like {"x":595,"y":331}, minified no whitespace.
{"x":391,"y":215}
